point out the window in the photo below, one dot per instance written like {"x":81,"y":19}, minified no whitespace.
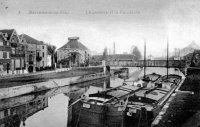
{"x":6,"y":113}
{"x":42,"y":47}
{"x":1,"y":43}
{"x":1,"y":67}
{"x":8,"y":55}
{"x":43,"y":54}
{"x":1,"y":55}
{"x":13,"y":51}
{"x":43,"y":63}
{"x":17,"y":63}
{"x":38,"y":54}
{"x":22,"y":62}
{"x":4,"y":55}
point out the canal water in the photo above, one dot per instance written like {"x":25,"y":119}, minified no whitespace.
{"x":50,"y":108}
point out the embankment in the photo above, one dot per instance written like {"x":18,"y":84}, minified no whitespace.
{"x":33,"y":83}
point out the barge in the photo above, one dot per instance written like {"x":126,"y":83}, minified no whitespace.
{"x":107,"y":108}
{"x":147,"y":103}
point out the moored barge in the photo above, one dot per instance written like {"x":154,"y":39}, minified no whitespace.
{"x":147,"y":103}
{"x":106,"y":108}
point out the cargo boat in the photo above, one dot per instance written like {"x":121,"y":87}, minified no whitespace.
{"x":145,"y":104}
{"x":144,"y":81}
{"x":106,"y":108}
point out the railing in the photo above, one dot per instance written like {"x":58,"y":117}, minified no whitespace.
{"x":149,"y":63}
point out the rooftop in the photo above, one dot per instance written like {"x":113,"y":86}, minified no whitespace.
{"x":8,"y":32}
{"x":31,"y":40}
{"x":73,"y":43}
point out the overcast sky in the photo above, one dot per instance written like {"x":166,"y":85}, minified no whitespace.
{"x":99,"y":23}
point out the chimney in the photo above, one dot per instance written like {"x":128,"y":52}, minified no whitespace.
{"x":114,"y":48}
{"x":73,"y":38}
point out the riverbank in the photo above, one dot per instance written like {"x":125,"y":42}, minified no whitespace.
{"x":16,"y":86}
{"x":19,"y":80}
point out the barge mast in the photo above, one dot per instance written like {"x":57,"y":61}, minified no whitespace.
{"x":144,"y":58}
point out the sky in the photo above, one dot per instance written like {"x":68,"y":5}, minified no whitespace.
{"x":100,"y":23}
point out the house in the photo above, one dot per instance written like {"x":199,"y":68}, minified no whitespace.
{"x":36,"y":53}
{"x":17,"y":53}
{"x":5,"y":50}
{"x":73,"y":53}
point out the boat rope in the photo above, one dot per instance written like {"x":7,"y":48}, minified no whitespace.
{"x":74,"y":103}
{"x":78,"y":117}
{"x":139,"y":119}
{"x":126,"y":103}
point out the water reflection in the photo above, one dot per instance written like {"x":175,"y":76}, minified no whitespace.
{"x":50,"y":108}
{"x":13,"y":111}
{"x":46,"y":108}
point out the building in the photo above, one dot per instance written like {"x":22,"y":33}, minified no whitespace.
{"x":73,"y":53}
{"x":17,"y":53}
{"x":41,"y":54}
{"x":5,"y":50}
{"x":36,"y":53}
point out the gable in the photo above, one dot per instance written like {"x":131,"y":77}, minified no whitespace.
{"x":8,"y":32}
{"x":15,"y":37}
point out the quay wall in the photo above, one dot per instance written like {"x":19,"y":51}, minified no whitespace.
{"x":35,"y":87}
{"x":52,"y":83}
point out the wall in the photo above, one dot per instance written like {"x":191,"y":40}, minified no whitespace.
{"x":82,"y":54}
{"x":5,"y":50}
{"x":42,"y":49}
{"x":49,"y":60}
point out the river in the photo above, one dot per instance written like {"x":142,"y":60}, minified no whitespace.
{"x":50,"y":108}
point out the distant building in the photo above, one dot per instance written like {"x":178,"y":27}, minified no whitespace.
{"x":42,"y":53}
{"x":73,"y":53}
{"x":114,"y":59}
{"x":17,"y":53}
{"x":36,"y":53}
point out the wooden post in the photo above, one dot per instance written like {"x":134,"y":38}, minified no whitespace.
{"x":144,"y":58}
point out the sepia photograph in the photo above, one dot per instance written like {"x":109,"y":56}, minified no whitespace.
{"x":99,"y":63}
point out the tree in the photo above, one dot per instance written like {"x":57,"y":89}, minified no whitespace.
{"x":105,"y":53}
{"x":136,"y":52}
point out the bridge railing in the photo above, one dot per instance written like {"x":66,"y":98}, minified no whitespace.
{"x":149,"y":63}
